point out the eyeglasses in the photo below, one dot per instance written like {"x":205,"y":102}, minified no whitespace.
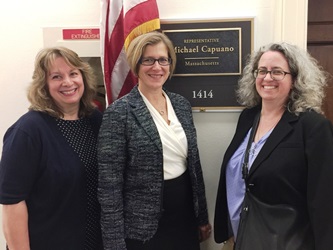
{"x":276,"y":74}
{"x":149,"y":61}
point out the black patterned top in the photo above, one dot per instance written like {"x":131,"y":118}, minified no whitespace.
{"x":82,"y":139}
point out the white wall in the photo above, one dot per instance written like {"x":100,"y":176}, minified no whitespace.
{"x":21,"y":28}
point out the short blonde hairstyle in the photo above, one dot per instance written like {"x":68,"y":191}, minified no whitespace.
{"x":38,"y":93}
{"x":137,"y":47}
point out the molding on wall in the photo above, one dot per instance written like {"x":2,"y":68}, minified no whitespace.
{"x":292,"y":15}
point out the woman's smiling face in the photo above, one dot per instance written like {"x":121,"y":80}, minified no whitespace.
{"x":153,"y":77}
{"x":65,"y":84}
{"x":271,"y":90}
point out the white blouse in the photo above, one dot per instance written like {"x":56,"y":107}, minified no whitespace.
{"x":173,"y":138}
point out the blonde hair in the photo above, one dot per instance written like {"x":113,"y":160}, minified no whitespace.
{"x":38,"y":93}
{"x":137,"y":47}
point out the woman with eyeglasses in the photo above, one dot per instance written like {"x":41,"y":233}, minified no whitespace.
{"x":289,"y":168}
{"x":151,"y":187}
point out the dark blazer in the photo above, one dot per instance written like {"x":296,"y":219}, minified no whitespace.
{"x":131,"y":169}
{"x":294,"y":168}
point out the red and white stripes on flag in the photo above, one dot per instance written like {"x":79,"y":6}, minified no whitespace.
{"x":121,"y":22}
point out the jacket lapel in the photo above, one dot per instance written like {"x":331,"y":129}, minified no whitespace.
{"x":282,"y":129}
{"x":243,"y":126}
{"x":141,"y":113}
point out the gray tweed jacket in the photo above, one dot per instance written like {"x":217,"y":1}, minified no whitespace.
{"x":131,"y":169}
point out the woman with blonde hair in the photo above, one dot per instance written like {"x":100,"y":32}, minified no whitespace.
{"x":48,"y":169}
{"x":151,"y":186}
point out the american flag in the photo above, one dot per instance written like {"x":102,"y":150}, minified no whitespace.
{"x":121,"y":22}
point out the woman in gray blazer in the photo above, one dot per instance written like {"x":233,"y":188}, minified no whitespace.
{"x":151,"y":186}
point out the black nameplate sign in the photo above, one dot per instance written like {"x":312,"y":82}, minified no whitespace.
{"x":210,"y":58}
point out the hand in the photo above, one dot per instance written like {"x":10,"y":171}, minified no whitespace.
{"x":204,"y":232}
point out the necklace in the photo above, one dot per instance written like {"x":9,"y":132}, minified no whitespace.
{"x":161,"y":111}
{"x":253,"y":150}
